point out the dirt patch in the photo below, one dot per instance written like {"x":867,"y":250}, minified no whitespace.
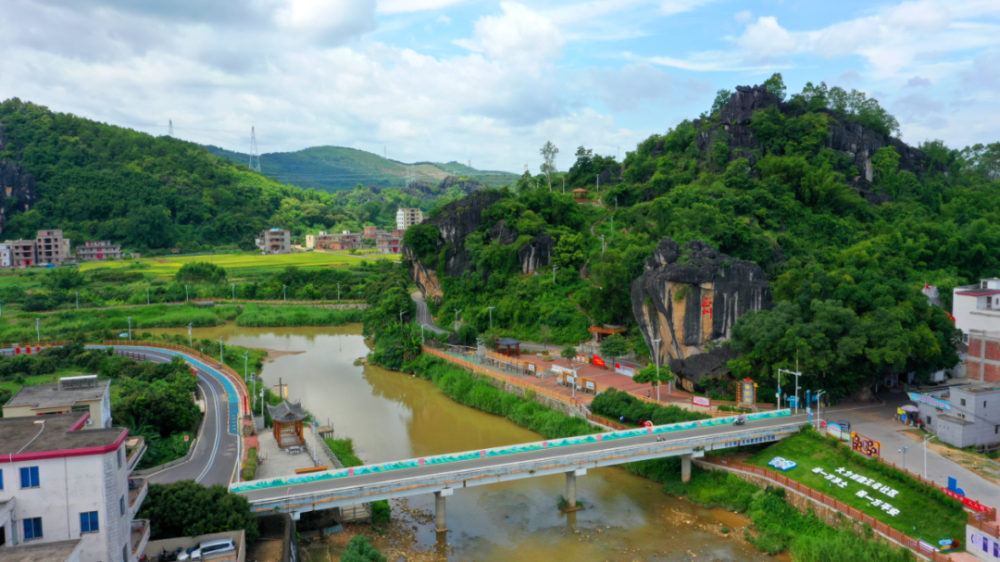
{"x":266,"y":550}
{"x":273,"y":354}
{"x":730,"y":519}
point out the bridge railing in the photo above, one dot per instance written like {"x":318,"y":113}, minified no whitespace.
{"x":919,"y":547}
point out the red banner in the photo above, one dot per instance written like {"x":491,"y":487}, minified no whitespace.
{"x":973,"y":505}
{"x":599,"y":362}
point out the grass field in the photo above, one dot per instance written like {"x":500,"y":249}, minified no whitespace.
{"x":913,"y":500}
{"x":236,"y":263}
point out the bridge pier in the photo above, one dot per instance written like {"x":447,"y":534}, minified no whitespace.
{"x":686,"y":468}
{"x":440,"y":513}
{"x":571,"y":489}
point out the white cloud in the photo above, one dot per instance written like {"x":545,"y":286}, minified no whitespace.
{"x":444,"y":19}
{"x":518,"y":34}
{"x":918,"y":82}
{"x":326,"y":17}
{"x":743,"y":17}
{"x":405,"y":6}
{"x":765,"y":39}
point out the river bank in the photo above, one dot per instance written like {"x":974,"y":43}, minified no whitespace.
{"x":393,"y":416}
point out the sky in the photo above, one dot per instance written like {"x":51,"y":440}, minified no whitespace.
{"x":483,"y":81}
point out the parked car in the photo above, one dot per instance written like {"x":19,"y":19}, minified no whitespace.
{"x":208,"y":548}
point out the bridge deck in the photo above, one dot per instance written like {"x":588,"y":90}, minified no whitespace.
{"x":426,"y":475}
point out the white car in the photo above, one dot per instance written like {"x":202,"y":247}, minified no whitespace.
{"x":208,"y":548}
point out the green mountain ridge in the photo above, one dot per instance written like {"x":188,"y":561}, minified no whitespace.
{"x":334,"y":168}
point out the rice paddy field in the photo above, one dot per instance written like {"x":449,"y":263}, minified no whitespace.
{"x":238,"y":264}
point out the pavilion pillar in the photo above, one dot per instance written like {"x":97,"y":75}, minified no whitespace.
{"x":686,"y":468}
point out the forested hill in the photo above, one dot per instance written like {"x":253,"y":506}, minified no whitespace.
{"x":97,"y":181}
{"x":847,"y":221}
{"x":334,"y":168}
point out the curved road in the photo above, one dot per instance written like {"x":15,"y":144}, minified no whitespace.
{"x":424,"y":315}
{"x":216,"y":450}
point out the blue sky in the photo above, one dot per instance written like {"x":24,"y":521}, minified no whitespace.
{"x":488,"y":81}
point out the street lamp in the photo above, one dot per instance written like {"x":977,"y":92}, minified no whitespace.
{"x":187,"y":294}
{"x":38,"y":328}
{"x":190,"y":337}
{"x":129,"y":328}
{"x":284,"y":290}
{"x":422,"y":333}
{"x":338,"y":292}
{"x":796,"y":374}
{"x":490,"y":308}
{"x":234,"y":293}
{"x":246,"y":362}
{"x":603,"y":245}
{"x":401,"y":313}
{"x":904,"y":450}
{"x":929,"y":436}
{"x":78,"y":298}
{"x":222,"y":352}
{"x":456,"y":318}
{"x":555,"y":268}
{"x":819,"y":407}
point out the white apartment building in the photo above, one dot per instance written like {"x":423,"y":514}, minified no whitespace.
{"x":59,"y":483}
{"x":70,"y":395}
{"x":5,"y":255}
{"x":275,"y":241}
{"x":977,"y":307}
{"x":405,"y":218}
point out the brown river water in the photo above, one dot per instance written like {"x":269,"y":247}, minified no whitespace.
{"x":394,"y":416}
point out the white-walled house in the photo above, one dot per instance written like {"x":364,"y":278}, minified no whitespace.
{"x":976,"y":308}
{"x":69,"y":395}
{"x":59,"y":482}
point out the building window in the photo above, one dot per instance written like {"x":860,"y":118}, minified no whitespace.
{"x":963,"y":401}
{"x":33,"y":528}
{"x":29,"y":477}
{"x":928,"y":420}
{"x":88,"y":522}
{"x":121,"y":505}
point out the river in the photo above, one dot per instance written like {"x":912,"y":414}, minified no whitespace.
{"x":394,"y":416}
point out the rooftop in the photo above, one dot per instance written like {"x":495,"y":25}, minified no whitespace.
{"x":978,"y":292}
{"x":953,"y":419}
{"x":59,"y":551}
{"x":977,"y":388}
{"x":51,"y":395}
{"x":287,"y":412}
{"x":55,"y":435}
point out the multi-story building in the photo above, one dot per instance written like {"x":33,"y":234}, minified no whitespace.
{"x":346,"y":240}
{"x":5,"y":255}
{"x":51,"y":247}
{"x":977,"y":307}
{"x":99,"y":250}
{"x":275,"y":241}
{"x":964,"y":416}
{"x":22,"y":253}
{"x":313,"y":239}
{"x":61,"y":483}
{"x":388,"y":244}
{"x":84,"y":394}
{"x":371,"y":232}
{"x":983,"y":359}
{"x":405,"y":218}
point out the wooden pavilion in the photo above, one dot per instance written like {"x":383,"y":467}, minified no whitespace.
{"x":601,"y":332}
{"x":580,"y":195}
{"x":507,"y":344}
{"x":287,"y":418}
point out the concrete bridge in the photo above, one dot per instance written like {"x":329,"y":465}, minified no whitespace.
{"x":443,"y":475}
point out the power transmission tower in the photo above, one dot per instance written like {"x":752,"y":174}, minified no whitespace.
{"x":254,"y":157}
{"x":170,"y":131}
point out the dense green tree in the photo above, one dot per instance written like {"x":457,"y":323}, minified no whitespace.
{"x":200,"y":272}
{"x":360,"y":549}
{"x":187,"y":509}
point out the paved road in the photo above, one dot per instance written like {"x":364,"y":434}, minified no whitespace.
{"x":876,"y":422}
{"x":424,"y":315}
{"x":387,"y":478}
{"x":216,"y":450}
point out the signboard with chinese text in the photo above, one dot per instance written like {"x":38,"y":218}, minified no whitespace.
{"x":701,"y":401}
{"x":971,"y":504}
{"x":599,"y":362}
{"x":930,"y":401}
{"x":746,"y":392}
{"x":865,"y":446}
{"x":623,"y":369}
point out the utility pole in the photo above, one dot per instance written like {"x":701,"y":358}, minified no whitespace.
{"x":603,"y":245}
{"x":38,"y":328}
{"x":929,"y":436}
{"x":555,"y":268}
{"x":598,"y":185}
{"x":284,"y":292}
{"x":456,"y":318}
{"x":401,"y":313}
{"x":222,"y":352}
{"x":422,"y":333}
{"x":819,"y":407}
{"x":490,"y":308}
{"x":78,"y":298}
{"x":234,"y":293}
{"x":904,"y":450}
{"x":187,"y":294}
{"x":246,"y":363}
{"x":190,"y":337}
{"x":129,"y":328}
{"x":338,"y":292}
{"x":564,"y":185}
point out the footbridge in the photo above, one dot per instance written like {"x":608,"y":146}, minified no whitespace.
{"x":444,"y":474}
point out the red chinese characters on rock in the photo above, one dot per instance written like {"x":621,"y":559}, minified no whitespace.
{"x":865,"y":446}
{"x":706,"y":307}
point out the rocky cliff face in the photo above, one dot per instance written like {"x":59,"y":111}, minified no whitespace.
{"x":458,"y":220}
{"x":856,"y":142}
{"x":15,"y":182}
{"x":690,"y":297}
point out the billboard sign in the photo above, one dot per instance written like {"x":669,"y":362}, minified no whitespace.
{"x":701,"y":401}
{"x":865,"y":446}
{"x":930,"y":401}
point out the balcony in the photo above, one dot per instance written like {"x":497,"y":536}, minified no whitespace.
{"x":139,"y":538}
{"x":137,"y":490}
{"x":135,"y":448}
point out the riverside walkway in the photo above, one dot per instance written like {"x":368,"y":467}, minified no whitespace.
{"x":443,"y":475}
